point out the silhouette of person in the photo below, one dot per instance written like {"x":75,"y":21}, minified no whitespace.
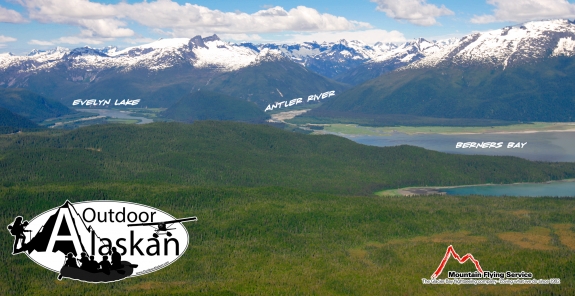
{"x":17,"y":230}
{"x":116,"y":259}
{"x":85,"y":261}
{"x":92,"y":265}
{"x":105,"y":265}
{"x":71,"y":261}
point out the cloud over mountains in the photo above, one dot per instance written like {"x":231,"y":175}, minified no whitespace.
{"x":526,"y":10}
{"x":100,"y":21}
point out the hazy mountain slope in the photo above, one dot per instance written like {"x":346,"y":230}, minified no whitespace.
{"x":533,"y":92}
{"x":206,"y":105}
{"x":272,"y":78}
{"x":31,"y":105}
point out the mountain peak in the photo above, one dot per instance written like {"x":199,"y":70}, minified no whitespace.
{"x":269,"y":55}
{"x":34,"y":52}
{"x":212,"y":38}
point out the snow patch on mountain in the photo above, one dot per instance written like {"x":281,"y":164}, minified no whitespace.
{"x":565,"y":47}
{"x":507,"y":46}
{"x":161,"y":44}
{"x":224,"y":56}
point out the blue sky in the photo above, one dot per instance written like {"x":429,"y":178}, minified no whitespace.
{"x":43,"y":24}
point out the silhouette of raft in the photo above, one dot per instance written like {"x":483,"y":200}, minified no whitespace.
{"x":97,"y":277}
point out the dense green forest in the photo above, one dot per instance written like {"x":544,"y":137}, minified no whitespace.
{"x":11,"y":123}
{"x":542,"y":91}
{"x":8,"y":118}
{"x":211,"y":153}
{"x":207,"y":105}
{"x":277,"y":241}
{"x":31,"y":105}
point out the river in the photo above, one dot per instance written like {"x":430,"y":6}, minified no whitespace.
{"x":117,"y":114}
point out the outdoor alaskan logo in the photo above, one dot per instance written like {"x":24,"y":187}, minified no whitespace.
{"x":101,"y":241}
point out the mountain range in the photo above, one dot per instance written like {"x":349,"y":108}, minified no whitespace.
{"x":520,"y":73}
{"x":484,"y":72}
{"x":328,"y":59}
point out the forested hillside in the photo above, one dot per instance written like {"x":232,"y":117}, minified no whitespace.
{"x":31,"y":105}
{"x":207,"y":105}
{"x":538,"y":91}
{"x":211,"y":153}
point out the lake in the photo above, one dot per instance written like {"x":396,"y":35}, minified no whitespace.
{"x":541,"y":146}
{"x":557,"y":189}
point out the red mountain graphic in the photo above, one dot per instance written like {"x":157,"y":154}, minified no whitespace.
{"x":451,"y":252}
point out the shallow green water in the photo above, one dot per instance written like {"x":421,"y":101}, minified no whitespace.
{"x":560,"y":189}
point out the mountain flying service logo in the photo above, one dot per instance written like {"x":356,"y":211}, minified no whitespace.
{"x":480,"y":276}
{"x":451,"y":252}
{"x":101,"y":241}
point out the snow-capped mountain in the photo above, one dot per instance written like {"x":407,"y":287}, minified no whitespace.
{"x":161,"y":72}
{"x":333,"y":59}
{"x":388,"y":57}
{"x":329,"y":59}
{"x":165,"y":53}
{"x":503,"y":47}
{"x":508,"y":46}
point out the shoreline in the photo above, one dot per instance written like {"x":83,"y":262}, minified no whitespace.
{"x":435,"y":190}
{"x":506,"y":133}
{"x":352,"y":130}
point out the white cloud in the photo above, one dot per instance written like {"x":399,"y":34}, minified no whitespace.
{"x":109,"y":20}
{"x":10,"y":16}
{"x":40,"y":42}
{"x":4,"y":39}
{"x":526,"y":10}
{"x":417,"y":12}
{"x":367,"y":36}
{"x":100,"y":19}
{"x":139,"y":40}
{"x":74,"y":40}
{"x":241,"y":37}
{"x":188,"y":19}
{"x":78,"y":40}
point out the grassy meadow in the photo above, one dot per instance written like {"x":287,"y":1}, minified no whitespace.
{"x":274,"y":241}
